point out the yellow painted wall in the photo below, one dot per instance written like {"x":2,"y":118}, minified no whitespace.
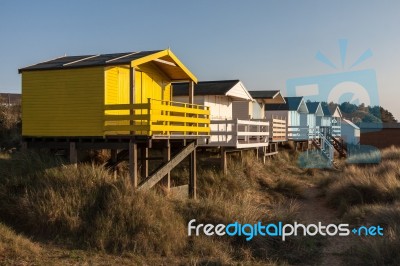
{"x":150,"y":82}
{"x":117,"y":85}
{"x":70,"y":102}
{"x":66,"y":102}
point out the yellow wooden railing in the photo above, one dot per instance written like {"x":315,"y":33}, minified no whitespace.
{"x":156,"y":118}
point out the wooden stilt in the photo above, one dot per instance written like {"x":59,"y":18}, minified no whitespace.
{"x":114,"y":158}
{"x":133,"y":160}
{"x":167,"y":158}
{"x":193,"y":175}
{"x":264,"y":152}
{"x":24,"y":146}
{"x":73,"y":154}
{"x":167,"y":167}
{"x":144,"y":161}
{"x":224,"y":166}
{"x":191,"y":92}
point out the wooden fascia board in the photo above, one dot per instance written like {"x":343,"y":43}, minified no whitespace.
{"x":161,"y":54}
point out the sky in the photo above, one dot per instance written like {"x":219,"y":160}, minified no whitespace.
{"x":262,"y":43}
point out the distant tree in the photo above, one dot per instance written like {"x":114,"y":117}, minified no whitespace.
{"x":387,"y":116}
{"x":375,"y":110}
{"x":347,"y":108}
{"x":362,"y":113}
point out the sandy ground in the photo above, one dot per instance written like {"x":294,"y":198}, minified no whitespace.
{"x":313,"y":209}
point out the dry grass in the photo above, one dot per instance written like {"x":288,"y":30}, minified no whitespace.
{"x":366,"y":155}
{"x":10,"y":126}
{"x":364,"y":185}
{"x":87,"y":208}
{"x":16,"y":249}
{"x":370,"y":195}
{"x":376,"y":250}
{"x":391,"y":153}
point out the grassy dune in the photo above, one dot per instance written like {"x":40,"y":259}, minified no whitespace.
{"x":16,"y":249}
{"x":86,"y":215}
{"x":370,"y":195}
{"x":87,"y":208}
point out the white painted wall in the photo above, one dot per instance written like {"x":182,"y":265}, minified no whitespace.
{"x":311,"y":120}
{"x":239,"y":91}
{"x":303,"y":120}
{"x":185,"y":99}
{"x":220,"y":106}
{"x":350,"y":132}
{"x":258,"y":110}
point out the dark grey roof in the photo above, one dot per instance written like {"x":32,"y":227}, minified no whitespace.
{"x":264,"y":94}
{"x":10,"y":98}
{"x":292,"y":104}
{"x":219,"y":87}
{"x":329,"y":110}
{"x":326,"y":110}
{"x":312,"y":107}
{"x":88,"y":61}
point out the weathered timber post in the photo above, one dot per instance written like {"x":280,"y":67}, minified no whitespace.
{"x":133,"y":160}
{"x":144,"y":162}
{"x":193,"y":175}
{"x":73,"y":154}
{"x":167,"y":158}
{"x":114,"y":159}
{"x":191,"y":92}
{"x":224,"y":166}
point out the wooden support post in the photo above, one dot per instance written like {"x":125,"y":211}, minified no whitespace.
{"x":24,"y":146}
{"x":224,"y":166}
{"x":193,"y":175}
{"x":73,"y":154}
{"x":257,"y":153}
{"x":144,"y":161}
{"x":114,"y":158}
{"x":167,"y":158}
{"x":264,"y":152}
{"x":133,"y":160}
{"x":191,"y":92}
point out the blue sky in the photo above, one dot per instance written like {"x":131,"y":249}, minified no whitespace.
{"x":263,"y":43}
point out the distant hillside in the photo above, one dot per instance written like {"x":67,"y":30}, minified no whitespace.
{"x":361,"y":113}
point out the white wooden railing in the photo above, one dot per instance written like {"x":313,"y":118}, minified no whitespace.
{"x":336,"y":131}
{"x":326,"y":148}
{"x":298,"y":133}
{"x":239,"y":133}
{"x":313,"y":132}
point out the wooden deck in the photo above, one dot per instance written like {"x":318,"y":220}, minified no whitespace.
{"x":239,"y":134}
{"x":162,"y":119}
{"x":298,"y":133}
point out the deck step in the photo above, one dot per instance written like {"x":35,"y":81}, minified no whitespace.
{"x":167,"y":167}
{"x":338,"y":145}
